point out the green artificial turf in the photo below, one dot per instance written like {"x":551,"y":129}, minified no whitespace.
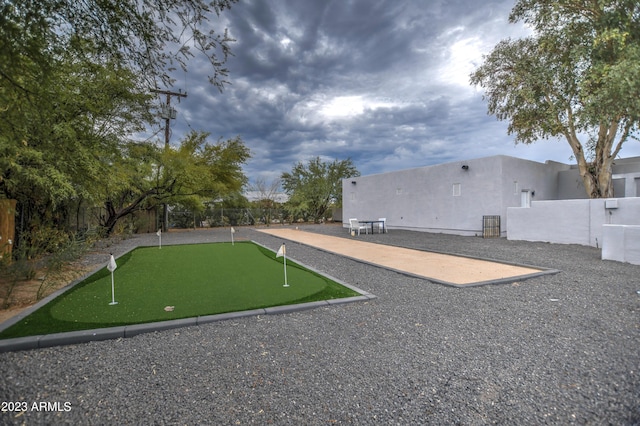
{"x":196,"y":280}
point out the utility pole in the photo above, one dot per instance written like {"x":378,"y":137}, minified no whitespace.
{"x":167,"y":113}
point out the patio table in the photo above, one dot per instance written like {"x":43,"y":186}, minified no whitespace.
{"x":372,"y":222}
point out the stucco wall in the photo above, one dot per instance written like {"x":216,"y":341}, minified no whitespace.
{"x":621,"y":243}
{"x":570,"y":186}
{"x":566,"y":221}
{"x":571,"y":221}
{"x":423,"y":198}
{"x":624,"y":172}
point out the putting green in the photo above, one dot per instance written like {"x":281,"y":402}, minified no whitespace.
{"x":181,"y":281}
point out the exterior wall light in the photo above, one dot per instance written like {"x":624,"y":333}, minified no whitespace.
{"x":465,"y":167}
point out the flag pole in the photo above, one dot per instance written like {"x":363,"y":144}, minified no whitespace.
{"x":233,"y":231}
{"x":284,"y":261}
{"x":111,"y":266}
{"x":282,"y":251}
{"x":113,"y":292}
{"x":159,"y":234}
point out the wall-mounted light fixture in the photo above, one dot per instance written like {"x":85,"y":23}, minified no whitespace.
{"x":465,"y":167}
{"x":533,"y":193}
{"x":353,"y":182}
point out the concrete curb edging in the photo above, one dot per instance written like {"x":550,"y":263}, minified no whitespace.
{"x":285,"y":309}
{"x":85,"y":336}
{"x":507,"y":280}
{"x":80,"y":336}
{"x":207,"y":319}
{"x":135,"y":329}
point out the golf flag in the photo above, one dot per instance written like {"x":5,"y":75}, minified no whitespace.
{"x":233,"y":231}
{"x":111,"y":266}
{"x":282,"y":252}
{"x":159,"y":234}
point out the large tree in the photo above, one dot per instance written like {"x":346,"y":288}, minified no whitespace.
{"x":74,"y":86}
{"x":56,"y":128}
{"x":190,"y":174}
{"x":314,"y":187}
{"x":150,"y":37}
{"x":577,"y":77}
{"x":75,"y":76}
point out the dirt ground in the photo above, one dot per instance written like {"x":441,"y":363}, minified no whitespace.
{"x":25,"y":292}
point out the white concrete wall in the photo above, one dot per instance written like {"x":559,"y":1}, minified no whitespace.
{"x":625,"y":171}
{"x":571,"y":221}
{"x":621,"y":243}
{"x":422,"y":199}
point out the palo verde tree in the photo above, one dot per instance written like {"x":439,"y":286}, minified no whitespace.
{"x":194,"y":172}
{"x":314,"y":187}
{"x":577,"y":77}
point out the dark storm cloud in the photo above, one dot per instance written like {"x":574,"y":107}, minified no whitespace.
{"x":384,"y":83}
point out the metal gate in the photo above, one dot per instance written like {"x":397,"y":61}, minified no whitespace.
{"x":491,"y":226}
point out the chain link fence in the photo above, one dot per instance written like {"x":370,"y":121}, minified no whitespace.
{"x":144,"y":221}
{"x":227,"y":217}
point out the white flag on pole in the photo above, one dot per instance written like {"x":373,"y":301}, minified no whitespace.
{"x":112,"y":264}
{"x":233,"y":231}
{"x":282,"y":252}
{"x":159,"y":234}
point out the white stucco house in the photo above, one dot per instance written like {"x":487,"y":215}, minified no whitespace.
{"x":460,"y":196}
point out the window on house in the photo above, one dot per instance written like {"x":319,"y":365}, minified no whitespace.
{"x":515,"y":188}
{"x":619,"y":187}
{"x":456,"y":190}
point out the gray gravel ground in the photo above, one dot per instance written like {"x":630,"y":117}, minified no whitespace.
{"x":557,"y":349}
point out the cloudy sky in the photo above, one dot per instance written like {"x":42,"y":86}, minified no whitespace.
{"x":383,"y":82}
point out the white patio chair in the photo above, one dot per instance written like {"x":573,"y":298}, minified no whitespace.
{"x":382,"y":226}
{"x":354,"y":226}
